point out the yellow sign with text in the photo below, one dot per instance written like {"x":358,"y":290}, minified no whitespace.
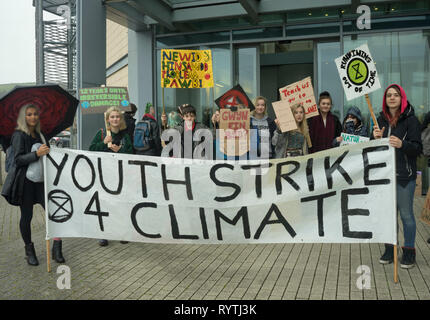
{"x":186,"y":69}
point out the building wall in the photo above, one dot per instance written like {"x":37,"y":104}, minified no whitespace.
{"x":119,"y":78}
{"x":116,"y":48}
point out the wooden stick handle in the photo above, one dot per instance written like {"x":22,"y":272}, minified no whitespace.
{"x":369,"y":104}
{"x":395,"y":265}
{"x":48,"y":256}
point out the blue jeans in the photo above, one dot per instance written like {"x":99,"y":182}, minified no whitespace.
{"x":405,"y":204}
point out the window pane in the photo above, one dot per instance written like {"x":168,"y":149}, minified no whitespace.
{"x":246,"y":70}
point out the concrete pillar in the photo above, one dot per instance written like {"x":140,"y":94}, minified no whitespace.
{"x":141,"y":69}
{"x":91,"y":61}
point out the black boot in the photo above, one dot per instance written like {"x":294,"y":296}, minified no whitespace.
{"x":408,"y":258}
{"x":57,"y":254}
{"x":30,"y":255}
{"x":388,"y":256}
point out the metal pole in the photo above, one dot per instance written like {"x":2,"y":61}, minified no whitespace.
{"x":40,"y":72}
{"x":78,"y":71}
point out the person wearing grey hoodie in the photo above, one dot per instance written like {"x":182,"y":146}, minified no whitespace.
{"x":262,"y":130}
{"x":352,"y":124}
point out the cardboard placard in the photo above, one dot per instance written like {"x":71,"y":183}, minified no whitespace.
{"x":357,"y":72}
{"x":186,"y":69}
{"x":301,"y":92}
{"x":234,"y":97}
{"x":284,"y":115}
{"x":99,"y":99}
{"x":234,"y":131}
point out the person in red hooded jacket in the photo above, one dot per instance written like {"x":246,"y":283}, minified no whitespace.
{"x":398,"y":122}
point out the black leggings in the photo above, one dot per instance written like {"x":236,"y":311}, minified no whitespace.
{"x":33,"y":193}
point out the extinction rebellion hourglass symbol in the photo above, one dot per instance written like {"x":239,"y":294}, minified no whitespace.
{"x":357,"y":71}
{"x":61,"y":204}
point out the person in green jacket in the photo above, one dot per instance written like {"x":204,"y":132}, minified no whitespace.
{"x":119,"y":140}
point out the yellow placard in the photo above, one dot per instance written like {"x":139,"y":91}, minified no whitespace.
{"x":186,"y":69}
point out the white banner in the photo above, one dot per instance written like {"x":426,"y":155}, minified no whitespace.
{"x":357,"y":72}
{"x":342,"y":195}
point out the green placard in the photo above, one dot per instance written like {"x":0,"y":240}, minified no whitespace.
{"x":98,"y":100}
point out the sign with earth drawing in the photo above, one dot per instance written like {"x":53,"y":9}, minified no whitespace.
{"x":357,"y":72}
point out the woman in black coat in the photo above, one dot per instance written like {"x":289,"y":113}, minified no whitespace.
{"x":398,"y":122}
{"x":20,"y":191}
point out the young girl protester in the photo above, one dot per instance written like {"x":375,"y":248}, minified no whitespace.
{"x":262,"y":125}
{"x":398,"y":122}
{"x":352,"y":124}
{"x":18,"y":189}
{"x":296,"y":142}
{"x":324,"y":127}
{"x":119,"y":139}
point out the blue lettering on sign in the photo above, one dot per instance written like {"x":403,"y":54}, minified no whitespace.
{"x":124,"y":103}
{"x":85,"y":104}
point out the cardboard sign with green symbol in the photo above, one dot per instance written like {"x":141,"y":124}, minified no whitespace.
{"x":98,"y":100}
{"x":357,"y":72}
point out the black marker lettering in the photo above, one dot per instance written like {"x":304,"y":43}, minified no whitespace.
{"x":186,"y":182}
{"x":142,"y":165}
{"x":243,"y":213}
{"x":286,"y":175}
{"x":320,"y":208}
{"x":224,"y":184}
{"x":280,"y":219}
{"x":59,"y":167}
{"x":93,"y":173}
{"x":353,"y":212}
{"x":335,"y":166}
{"x":175,"y":227}
{"x":368,"y":167}
{"x":134,"y":221}
{"x":257,"y":168}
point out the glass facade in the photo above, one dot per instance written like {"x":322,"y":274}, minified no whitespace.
{"x":284,"y":48}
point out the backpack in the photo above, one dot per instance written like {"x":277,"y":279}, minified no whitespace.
{"x":143,"y":136}
{"x":9,"y":162}
{"x":425,"y":137}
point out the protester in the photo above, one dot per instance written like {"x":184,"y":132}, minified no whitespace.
{"x":324,"y":127}
{"x":352,"y":124}
{"x":398,"y":122}
{"x":119,"y":140}
{"x":18,"y":189}
{"x":426,"y":141}
{"x":130,"y":121}
{"x":147,"y":134}
{"x":189,"y":123}
{"x":263,"y":126}
{"x":295,"y":142}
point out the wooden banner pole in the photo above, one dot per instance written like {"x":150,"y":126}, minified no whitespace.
{"x":369,"y":104}
{"x":48,"y":256}
{"x":395,"y":265}
{"x":164,"y":107}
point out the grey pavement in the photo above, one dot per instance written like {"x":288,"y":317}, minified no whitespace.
{"x":141,"y":271}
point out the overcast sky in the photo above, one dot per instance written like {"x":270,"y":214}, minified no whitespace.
{"x":17,"y":53}
{"x":17,"y":38}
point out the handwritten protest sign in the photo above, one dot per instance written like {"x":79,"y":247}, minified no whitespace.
{"x":234,"y":97}
{"x":234,"y":131}
{"x":341,"y":195}
{"x":186,"y":69}
{"x":98,"y":100}
{"x":301,"y":92}
{"x":357,"y":72}
{"x":352,"y":139}
{"x":285,"y":115}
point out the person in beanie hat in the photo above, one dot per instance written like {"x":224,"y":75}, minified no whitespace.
{"x":398,"y":122}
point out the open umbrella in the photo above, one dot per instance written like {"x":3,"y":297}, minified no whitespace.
{"x":57,"y":109}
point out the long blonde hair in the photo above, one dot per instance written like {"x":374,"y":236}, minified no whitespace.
{"x":122,"y":124}
{"x":265,"y":105}
{"x":302,"y":127}
{"x":21,"y":123}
